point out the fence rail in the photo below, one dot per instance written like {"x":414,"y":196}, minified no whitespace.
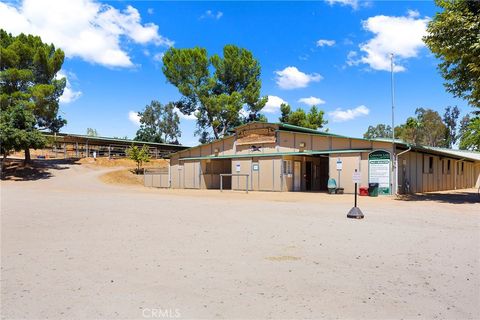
{"x":74,"y":151}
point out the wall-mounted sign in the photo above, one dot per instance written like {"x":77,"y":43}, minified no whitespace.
{"x":237,"y":167}
{"x":339,"y":164}
{"x":379,"y":170}
{"x":255,"y":166}
{"x":261,"y":134}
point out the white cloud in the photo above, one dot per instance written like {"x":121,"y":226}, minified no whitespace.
{"x":185,"y":116}
{"x":340,"y":115}
{"x":352,"y":59}
{"x":325,"y":43}
{"x":311,"y":101}
{"x":212,"y":15}
{"x":150,"y":11}
{"x":351,"y":3}
{"x":69,"y":94}
{"x":273,"y":104}
{"x":401,"y":36}
{"x":158,"y":56}
{"x":134,"y":117}
{"x":292,"y":78}
{"x":87,"y":29}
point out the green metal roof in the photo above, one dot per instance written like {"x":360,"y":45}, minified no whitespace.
{"x":276,"y":154}
{"x":467,"y":154}
{"x":123,"y":141}
{"x":291,"y":127}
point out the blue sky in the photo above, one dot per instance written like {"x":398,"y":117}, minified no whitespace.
{"x":334,"y":53}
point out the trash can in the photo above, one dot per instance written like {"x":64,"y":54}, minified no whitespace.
{"x":373,"y":189}
{"x":364,"y":191}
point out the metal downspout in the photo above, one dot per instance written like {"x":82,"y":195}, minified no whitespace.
{"x":396,"y":168}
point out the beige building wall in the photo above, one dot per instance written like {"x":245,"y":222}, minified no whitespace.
{"x":420,"y":171}
{"x":350,"y":163}
{"x":429,"y":172}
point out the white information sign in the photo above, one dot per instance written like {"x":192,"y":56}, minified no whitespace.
{"x":339,"y":165}
{"x":237,"y":167}
{"x":357,"y":177}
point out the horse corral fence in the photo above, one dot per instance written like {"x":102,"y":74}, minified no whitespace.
{"x":66,"y":146}
{"x":156,"y":177}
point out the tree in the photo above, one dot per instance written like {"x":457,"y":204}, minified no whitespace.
{"x":139,"y":155}
{"x":159,"y":123}
{"x":452,"y":36}
{"x":92,"y":132}
{"x":426,"y":128}
{"x":215,"y":99}
{"x":379,"y":131}
{"x":470,"y":133}
{"x":410,"y":131}
{"x":27,"y":80}
{"x":450,"y":118}
{"x":313,"y":119}
{"x":433,"y":128}
{"x":17,"y":130}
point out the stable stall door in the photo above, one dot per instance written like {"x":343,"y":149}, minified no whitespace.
{"x":297,"y":176}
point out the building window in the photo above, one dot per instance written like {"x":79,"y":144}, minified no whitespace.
{"x":448,"y":166}
{"x":428,"y":165}
{"x":287,"y":167}
{"x":462,"y":167}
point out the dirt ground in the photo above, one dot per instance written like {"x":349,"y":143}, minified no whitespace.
{"x":75,"y":247}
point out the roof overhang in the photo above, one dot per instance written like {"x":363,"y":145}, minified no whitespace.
{"x":276,"y":154}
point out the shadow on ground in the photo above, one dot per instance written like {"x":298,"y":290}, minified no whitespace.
{"x":454,"y":197}
{"x":15,"y":170}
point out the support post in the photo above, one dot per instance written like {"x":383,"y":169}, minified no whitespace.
{"x":355,"y":212}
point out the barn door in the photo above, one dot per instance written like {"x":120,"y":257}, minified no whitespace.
{"x":297,"y":176}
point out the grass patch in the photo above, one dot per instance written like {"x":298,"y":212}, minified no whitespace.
{"x":123,"y":162}
{"x":122,"y":177}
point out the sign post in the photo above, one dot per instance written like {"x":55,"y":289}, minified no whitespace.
{"x":355,"y":212}
{"x":339,"y":169}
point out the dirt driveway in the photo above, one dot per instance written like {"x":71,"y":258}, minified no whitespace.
{"x":74,"y":247}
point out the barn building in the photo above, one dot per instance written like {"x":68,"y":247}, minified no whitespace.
{"x":283,"y":157}
{"x":68,"y":145}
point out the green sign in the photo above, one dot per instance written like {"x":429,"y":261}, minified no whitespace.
{"x":379,"y":170}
